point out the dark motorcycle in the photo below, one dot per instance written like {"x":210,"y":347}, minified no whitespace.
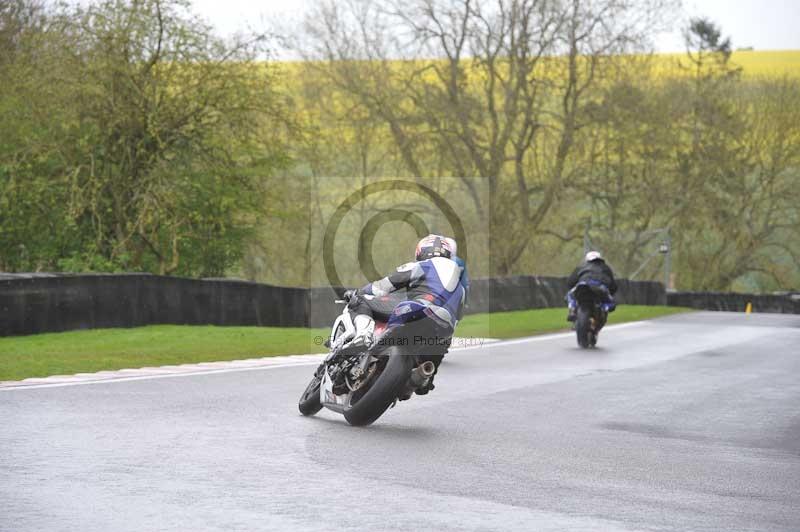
{"x":362,"y":385}
{"x":594,"y":302}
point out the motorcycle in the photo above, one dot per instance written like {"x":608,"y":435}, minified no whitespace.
{"x":594,"y":302}
{"x":362,"y":384}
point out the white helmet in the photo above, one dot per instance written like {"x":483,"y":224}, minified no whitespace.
{"x":593,"y":255}
{"x":434,"y":246}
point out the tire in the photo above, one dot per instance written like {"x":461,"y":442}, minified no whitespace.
{"x":582,"y":326}
{"x":383,"y":392}
{"x":309,"y":402}
{"x":600,"y":322}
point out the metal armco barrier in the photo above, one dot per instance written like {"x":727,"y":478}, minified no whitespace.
{"x":781,"y":304}
{"x":35,"y":303}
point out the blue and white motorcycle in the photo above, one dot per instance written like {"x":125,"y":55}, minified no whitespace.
{"x":363,"y":384}
{"x":593,"y":302}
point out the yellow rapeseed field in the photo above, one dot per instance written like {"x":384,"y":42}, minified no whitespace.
{"x":757,"y":63}
{"x":766,"y":63}
{"x":311,"y":104}
{"x":773,"y":63}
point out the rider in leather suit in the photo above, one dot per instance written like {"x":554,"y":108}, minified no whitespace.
{"x":434,"y":290}
{"x":593,"y":268}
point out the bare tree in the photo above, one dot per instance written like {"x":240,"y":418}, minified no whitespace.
{"x":18,"y":17}
{"x":748,"y":217}
{"x":490,"y":89}
{"x":709,"y":155}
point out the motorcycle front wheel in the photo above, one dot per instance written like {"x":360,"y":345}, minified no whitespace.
{"x":309,"y":402}
{"x":363,"y":408}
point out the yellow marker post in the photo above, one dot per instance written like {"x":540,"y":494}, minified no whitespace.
{"x":748,"y":308}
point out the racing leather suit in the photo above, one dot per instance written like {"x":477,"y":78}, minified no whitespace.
{"x":596,"y":271}
{"x":434,"y":289}
{"x":435,"y":293}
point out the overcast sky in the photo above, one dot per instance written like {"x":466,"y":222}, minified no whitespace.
{"x":762,"y":24}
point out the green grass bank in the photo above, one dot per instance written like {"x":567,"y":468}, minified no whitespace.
{"x":158,"y":345}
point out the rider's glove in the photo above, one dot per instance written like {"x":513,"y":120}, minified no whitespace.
{"x":349,"y":294}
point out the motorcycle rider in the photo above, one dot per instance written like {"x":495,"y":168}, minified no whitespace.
{"x":435,"y":291}
{"x":462,"y":264}
{"x":593,"y":268}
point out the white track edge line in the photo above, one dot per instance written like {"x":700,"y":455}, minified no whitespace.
{"x":82,"y":381}
{"x":146,"y":377}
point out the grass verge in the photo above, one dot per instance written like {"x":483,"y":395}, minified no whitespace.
{"x":537,"y":321}
{"x":154,"y":345}
{"x":158,"y":345}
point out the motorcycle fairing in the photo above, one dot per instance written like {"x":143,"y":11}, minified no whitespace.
{"x":327,"y":397}
{"x":604,"y":298}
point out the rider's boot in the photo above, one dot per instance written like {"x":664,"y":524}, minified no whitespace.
{"x":365,"y":331}
{"x":572,"y":315}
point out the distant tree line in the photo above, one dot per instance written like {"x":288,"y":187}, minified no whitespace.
{"x":578,"y":130}
{"x":134,"y":139}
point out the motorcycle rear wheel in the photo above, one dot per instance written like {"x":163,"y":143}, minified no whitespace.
{"x":592,"y":339}
{"x":385,"y":389}
{"x":583,"y":325}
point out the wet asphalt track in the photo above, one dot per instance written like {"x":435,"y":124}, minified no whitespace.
{"x":685,"y":423}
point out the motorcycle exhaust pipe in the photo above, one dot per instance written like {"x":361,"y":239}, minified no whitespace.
{"x":427,"y":368}
{"x":422,"y":373}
